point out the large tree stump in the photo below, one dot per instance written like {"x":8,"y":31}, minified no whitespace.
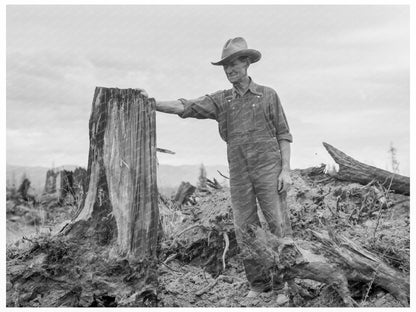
{"x":119,"y":208}
{"x":355,"y":171}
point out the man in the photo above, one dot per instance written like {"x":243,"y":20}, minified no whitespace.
{"x":252,"y":123}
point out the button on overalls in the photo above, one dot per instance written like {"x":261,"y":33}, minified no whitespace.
{"x":255,"y":164}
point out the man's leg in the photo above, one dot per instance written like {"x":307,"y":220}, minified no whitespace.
{"x":272,"y":204}
{"x":245,"y":215}
{"x":265,"y":173}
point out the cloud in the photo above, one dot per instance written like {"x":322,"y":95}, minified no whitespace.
{"x":342,"y":73}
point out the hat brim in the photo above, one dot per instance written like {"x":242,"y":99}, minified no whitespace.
{"x":254,"y":56}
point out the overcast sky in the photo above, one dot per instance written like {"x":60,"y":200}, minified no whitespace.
{"x":342,"y":73}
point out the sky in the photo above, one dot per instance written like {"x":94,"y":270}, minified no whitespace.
{"x":341,"y":72}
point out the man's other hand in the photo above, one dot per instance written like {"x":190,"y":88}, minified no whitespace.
{"x":284,"y":181}
{"x":142,"y":92}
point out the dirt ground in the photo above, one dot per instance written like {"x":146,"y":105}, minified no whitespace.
{"x":45,"y":270}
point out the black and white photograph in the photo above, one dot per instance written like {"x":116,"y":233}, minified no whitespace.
{"x":208,"y":156}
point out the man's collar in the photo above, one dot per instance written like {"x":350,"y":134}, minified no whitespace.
{"x":252,"y":87}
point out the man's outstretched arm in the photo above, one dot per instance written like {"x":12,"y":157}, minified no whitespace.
{"x":169,"y":107}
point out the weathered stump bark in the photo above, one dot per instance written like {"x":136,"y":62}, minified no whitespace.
{"x":80,"y":186}
{"x":355,"y":171}
{"x":66,"y":186}
{"x":119,"y":208}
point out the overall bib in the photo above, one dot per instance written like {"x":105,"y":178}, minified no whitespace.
{"x":255,"y":164}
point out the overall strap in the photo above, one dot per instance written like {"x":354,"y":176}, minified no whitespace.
{"x":228,"y":94}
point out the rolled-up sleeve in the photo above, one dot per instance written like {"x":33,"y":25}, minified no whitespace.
{"x":204,"y":107}
{"x":281,"y":124}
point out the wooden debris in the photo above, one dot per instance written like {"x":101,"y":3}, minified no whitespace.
{"x":186,"y":230}
{"x":219,"y":172}
{"x":225,"y":278}
{"x":170,"y":258}
{"x":344,"y":261}
{"x":359,"y":264}
{"x":355,"y":171}
{"x":227,"y":246}
{"x":164,"y":150}
{"x":184,"y":192}
{"x":214,"y":184}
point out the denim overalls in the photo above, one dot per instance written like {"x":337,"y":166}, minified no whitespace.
{"x":255,"y":164}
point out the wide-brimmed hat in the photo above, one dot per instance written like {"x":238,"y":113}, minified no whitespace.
{"x":237,"y":47}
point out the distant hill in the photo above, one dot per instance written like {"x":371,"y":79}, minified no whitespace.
{"x":169,"y":177}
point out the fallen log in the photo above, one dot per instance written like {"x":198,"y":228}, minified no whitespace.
{"x":361,"y":265}
{"x":336,"y":261}
{"x":355,"y":171}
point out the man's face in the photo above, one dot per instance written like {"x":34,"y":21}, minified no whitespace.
{"x":235,"y":70}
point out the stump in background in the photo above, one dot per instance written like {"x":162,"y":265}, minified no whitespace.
{"x":61,"y":183}
{"x":202,"y":179}
{"x":355,"y":171}
{"x":23,"y":190}
{"x":66,"y":186}
{"x":80,"y":177}
{"x":50,"y":183}
{"x":184,"y":192}
{"x":119,"y":208}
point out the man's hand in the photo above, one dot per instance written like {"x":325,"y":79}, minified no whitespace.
{"x":142,"y":92}
{"x":284,"y":181}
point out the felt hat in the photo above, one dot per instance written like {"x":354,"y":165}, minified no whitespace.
{"x":237,"y":47}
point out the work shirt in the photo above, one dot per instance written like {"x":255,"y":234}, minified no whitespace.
{"x":260,"y":107}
